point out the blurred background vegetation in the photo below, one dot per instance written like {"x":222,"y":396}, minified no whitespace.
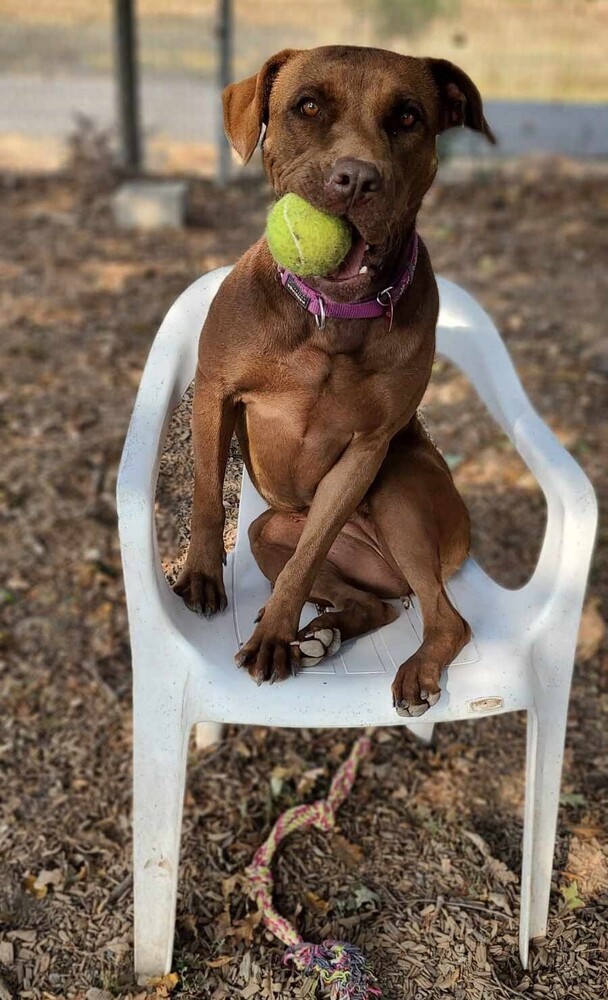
{"x":56,"y":58}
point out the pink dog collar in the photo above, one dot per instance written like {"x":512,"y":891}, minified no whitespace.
{"x":382,"y":305}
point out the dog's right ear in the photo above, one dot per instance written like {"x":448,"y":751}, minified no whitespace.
{"x":246,"y":105}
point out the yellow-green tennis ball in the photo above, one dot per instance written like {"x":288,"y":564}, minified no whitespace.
{"x":305,"y":240}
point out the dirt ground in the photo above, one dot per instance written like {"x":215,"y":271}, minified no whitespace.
{"x":423,"y":873}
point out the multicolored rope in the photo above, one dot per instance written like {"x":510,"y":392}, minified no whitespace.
{"x":338,"y":966}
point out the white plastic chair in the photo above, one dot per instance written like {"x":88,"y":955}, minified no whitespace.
{"x":520,"y":658}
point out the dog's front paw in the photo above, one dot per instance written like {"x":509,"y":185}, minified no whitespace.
{"x":202,"y":592}
{"x":272,"y":653}
{"x":416,"y":687}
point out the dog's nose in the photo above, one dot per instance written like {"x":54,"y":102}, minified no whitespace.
{"x":351,"y":178}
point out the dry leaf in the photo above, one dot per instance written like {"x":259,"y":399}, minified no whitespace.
{"x":363,"y":895}
{"x":500,"y":871}
{"x":251,"y":990}
{"x":219,"y":963}
{"x":571,"y":897}
{"x":587,"y":831}
{"x":351,"y":854}
{"x":316,"y":903}
{"x":308,"y":780}
{"x":243,"y":930}
{"x":277,"y":779}
{"x":29,"y":884}
{"x":234,"y":883}
{"x":52,"y":877}
{"x":164,"y":984}
{"x":478,"y":841}
{"x":500,"y":900}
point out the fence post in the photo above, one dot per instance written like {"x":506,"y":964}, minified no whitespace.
{"x":224,"y":77}
{"x":125,"y":47}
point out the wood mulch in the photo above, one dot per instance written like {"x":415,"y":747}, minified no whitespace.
{"x":423,"y":872}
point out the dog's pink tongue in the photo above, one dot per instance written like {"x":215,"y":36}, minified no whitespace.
{"x":351,"y":264}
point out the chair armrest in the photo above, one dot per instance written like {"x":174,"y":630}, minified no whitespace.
{"x":467,"y":336}
{"x":168,"y":371}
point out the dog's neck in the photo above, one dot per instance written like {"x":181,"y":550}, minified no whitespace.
{"x":322,"y":306}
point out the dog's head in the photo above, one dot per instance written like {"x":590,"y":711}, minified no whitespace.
{"x":353,"y":130}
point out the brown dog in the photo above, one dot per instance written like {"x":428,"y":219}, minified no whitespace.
{"x":362,"y":507}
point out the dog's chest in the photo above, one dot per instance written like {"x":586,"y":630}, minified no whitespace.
{"x":307,"y":407}
{"x":319,"y":396}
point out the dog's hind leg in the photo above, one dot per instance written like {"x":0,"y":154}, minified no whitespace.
{"x":421,"y":520}
{"x":340,"y":583}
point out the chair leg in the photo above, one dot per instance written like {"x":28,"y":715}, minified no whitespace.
{"x":206,"y":734}
{"x":160,"y":749}
{"x":423,"y":731}
{"x":544,"y":756}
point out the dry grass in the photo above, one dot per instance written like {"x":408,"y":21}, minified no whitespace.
{"x":424,"y":873}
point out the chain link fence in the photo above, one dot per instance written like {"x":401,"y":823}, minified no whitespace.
{"x":542,"y":62}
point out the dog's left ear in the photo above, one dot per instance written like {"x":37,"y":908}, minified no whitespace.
{"x":246,"y":105}
{"x":459,"y":99}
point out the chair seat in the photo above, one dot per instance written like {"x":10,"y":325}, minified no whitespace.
{"x":353,"y":687}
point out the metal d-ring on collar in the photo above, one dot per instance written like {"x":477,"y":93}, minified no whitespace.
{"x":385,"y":299}
{"x":320,"y":317}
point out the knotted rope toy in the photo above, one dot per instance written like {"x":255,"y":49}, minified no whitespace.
{"x":338,"y":966}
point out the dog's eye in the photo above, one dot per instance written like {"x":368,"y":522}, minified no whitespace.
{"x":407,"y":119}
{"x":309,"y":108}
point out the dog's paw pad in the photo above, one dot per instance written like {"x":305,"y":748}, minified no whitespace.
{"x":312,"y":648}
{"x":335,"y":643}
{"x":319,"y":644}
{"x":416,"y":710}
